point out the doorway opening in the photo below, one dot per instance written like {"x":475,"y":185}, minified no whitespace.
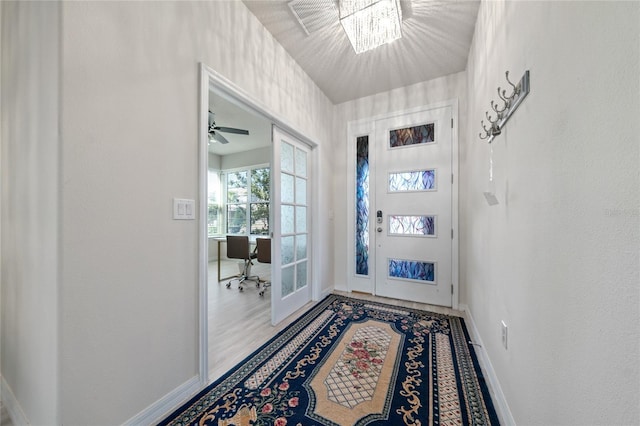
{"x":245,"y":176}
{"x":403,"y":239}
{"x":239,"y":153}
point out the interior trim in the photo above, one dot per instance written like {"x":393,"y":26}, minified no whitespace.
{"x":497,"y":396}
{"x":166,"y":405}
{"x":9,"y":401}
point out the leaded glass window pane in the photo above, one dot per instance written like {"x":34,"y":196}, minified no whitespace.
{"x":421,"y":180}
{"x":412,"y":270}
{"x":412,"y":225}
{"x":362,"y":205}
{"x":424,"y":133}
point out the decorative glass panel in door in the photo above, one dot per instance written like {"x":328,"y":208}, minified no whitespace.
{"x":413,"y":238}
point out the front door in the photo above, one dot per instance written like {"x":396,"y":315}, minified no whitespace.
{"x":412,"y":214}
{"x":290,"y":260}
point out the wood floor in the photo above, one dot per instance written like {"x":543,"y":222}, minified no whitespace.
{"x":240,"y":322}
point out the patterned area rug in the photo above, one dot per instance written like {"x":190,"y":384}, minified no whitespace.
{"x":352,"y":362}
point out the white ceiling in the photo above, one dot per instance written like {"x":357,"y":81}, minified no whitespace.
{"x":436,"y":39}
{"x":228,"y":114}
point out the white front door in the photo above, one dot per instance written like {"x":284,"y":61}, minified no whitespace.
{"x":290,"y":257}
{"x":412,"y":214}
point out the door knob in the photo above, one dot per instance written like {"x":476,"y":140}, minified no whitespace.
{"x":379,"y":229}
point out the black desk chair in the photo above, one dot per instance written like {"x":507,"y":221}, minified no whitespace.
{"x":238,"y":248}
{"x":263,"y":247}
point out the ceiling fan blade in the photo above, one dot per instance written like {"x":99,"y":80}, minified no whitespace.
{"x":219,"y":138}
{"x":232,"y":130}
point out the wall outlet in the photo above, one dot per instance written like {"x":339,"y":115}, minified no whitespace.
{"x":503,"y":328}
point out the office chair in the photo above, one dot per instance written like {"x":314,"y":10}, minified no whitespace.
{"x":238,"y":248}
{"x":263,"y":247}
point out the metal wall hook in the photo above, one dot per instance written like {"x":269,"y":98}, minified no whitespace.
{"x":511,"y":103}
{"x":504,"y":97}
{"x":487,"y":132}
{"x":489,"y":118}
{"x":494,"y":105}
{"x":516,"y":89}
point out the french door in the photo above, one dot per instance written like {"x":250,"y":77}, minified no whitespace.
{"x":290,"y":260}
{"x":406,"y":237}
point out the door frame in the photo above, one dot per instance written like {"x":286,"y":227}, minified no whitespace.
{"x":366,"y":126}
{"x":212,"y":80}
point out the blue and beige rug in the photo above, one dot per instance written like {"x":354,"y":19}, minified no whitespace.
{"x":352,"y":362}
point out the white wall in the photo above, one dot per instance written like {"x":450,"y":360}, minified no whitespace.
{"x":215,"y":161}
{"x":417,"y":95}
{"x":558,"y":258}
{"x":130,"y":103}
{"x":30,"y":210}
{"x":247,"y":158}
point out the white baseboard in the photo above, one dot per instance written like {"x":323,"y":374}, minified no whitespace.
{"x":499,"y":401}
{"x":325,"y":293}
{"x":167,"y":404}
{"x":13,"y":406}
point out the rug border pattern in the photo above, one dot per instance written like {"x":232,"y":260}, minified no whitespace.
{"x":470,"y":386}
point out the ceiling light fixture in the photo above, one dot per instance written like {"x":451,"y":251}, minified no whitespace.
{"x":370,"y":23}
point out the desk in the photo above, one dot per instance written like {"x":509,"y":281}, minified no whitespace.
{"x":220,"y":240}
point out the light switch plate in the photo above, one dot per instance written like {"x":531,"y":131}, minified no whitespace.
{"x":184,"y":209}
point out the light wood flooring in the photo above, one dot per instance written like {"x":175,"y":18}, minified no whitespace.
{"x":240,"y":322}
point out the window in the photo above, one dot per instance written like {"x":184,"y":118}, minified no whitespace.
{"x":237,"y":202}
{"x":247,"y":201}
{"x":260,"y":198}
{"x":214,"y":215}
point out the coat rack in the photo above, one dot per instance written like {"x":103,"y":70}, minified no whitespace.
{"x":503,"y":112}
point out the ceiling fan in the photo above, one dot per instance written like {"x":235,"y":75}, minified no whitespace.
{"x":215,"y":136}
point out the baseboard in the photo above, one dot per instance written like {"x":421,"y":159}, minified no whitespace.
{"x":12,"y":405}
{"x":167,"y":404}
{"x":325,"y":293}
{"x":499,"y":401}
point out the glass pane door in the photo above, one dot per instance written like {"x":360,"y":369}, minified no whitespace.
{"x":290,"y":286}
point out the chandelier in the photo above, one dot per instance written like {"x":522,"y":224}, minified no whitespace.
{"x":370,"y":23}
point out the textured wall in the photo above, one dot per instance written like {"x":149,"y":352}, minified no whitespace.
{"x":558,"y":258}
{"x":29,"y":199}
{"x":130,"y":111}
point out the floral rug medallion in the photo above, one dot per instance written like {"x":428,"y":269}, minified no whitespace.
{"x":354,"y":381}
{"x":352,"y":362}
